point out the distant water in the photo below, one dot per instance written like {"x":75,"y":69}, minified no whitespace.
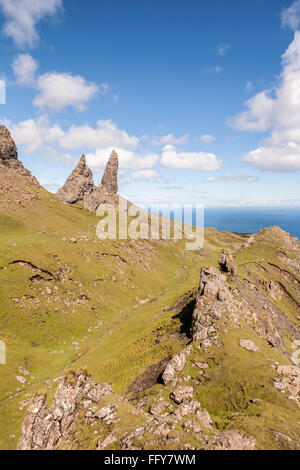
{"x":244,"y":220}
{"x":252,"y":220}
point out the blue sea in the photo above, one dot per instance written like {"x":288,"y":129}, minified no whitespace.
{"x":252,"y":220}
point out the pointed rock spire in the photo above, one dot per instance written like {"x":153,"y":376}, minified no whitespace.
{"x":110,"y":175}
{"x":79,"y":184}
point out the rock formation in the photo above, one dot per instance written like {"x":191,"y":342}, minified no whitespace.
{"x":110,"y":175}
{"x":79,"y":185}
{"x":44,"y":427}
{"x":79,"y":401}
{"x":80,"y":188}
{"x":8,"y":149}
{"x":9,"y":157}
{"x":226,"y":263}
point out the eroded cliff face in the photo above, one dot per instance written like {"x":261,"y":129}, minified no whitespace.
{"x":233,"y":384}
{"x":10,"y":165}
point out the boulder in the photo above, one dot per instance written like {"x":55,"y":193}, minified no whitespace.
{"x":182,"y":394}
{"x":249,"y":345}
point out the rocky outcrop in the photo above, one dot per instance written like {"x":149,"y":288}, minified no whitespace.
{"x":176,"y":364}
{"x":289,"y":382}
{"x":226,"y":263}
{"x":44,"y":427}
{"x":80,"y":404}
{"x":8,"y":149}
{"x":80,"y":188}
{"x":99,"y":196}
{"x":9,"y":158}
{"x":79,"y":185}
{"x":212,"y":299}
{"x":110,"y":175}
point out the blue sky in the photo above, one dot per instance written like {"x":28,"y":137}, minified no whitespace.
{"x":199,"y":98}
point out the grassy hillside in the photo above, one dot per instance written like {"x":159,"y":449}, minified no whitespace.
{"x":71,"y":301}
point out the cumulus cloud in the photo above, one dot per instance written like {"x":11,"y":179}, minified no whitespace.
{"x":106,"y":134}
{"x":22,"y":17}
{"x":290,"y":17}
{"x":32,"y":134}
{"x":189,"y":160}
{"x":145,"y":175}
{"x":127,"y":159}
{"x":285,"y":157}
{"x":60,"y":90}
{"x":170,"y":139}
{"x":207,"y":138}
{"x":24,"y":67}
{"x":276,"y":110}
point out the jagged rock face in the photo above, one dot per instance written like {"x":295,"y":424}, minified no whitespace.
{"x":77,"y":395}
{"x":176,"y":364}
{"x":226,"y":263}
{"x":110,"y":176}
{"x":212,"y":299}
{"x":43,"y":427}
{"x":79,"y":185}
{"x":9,"y":158}
{"x":8,"y":147}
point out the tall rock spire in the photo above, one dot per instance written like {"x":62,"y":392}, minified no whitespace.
{"x":110,"y":175}
{"x":79,"y":184}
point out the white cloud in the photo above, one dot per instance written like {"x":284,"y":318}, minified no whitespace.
{"x":189,"y":160}
{"x":170,"y":139}
{"x":24,"y":67}
{"x":290,"y":17}
{"x":223,"y":48}
{"x":258,"y":117}
{"x":127,"y":159}
{"x":285,"y":157}
{"x":276,"y":110}
{"x":144,"y":175}
{"x":207,"y":138}
{"x":22,"y":17}
{"x":32,"y":134}
{"x":232,"y":179}
{"x":106,"y":134}
{"x":239,"y":179}
{"x":60,"y":90}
